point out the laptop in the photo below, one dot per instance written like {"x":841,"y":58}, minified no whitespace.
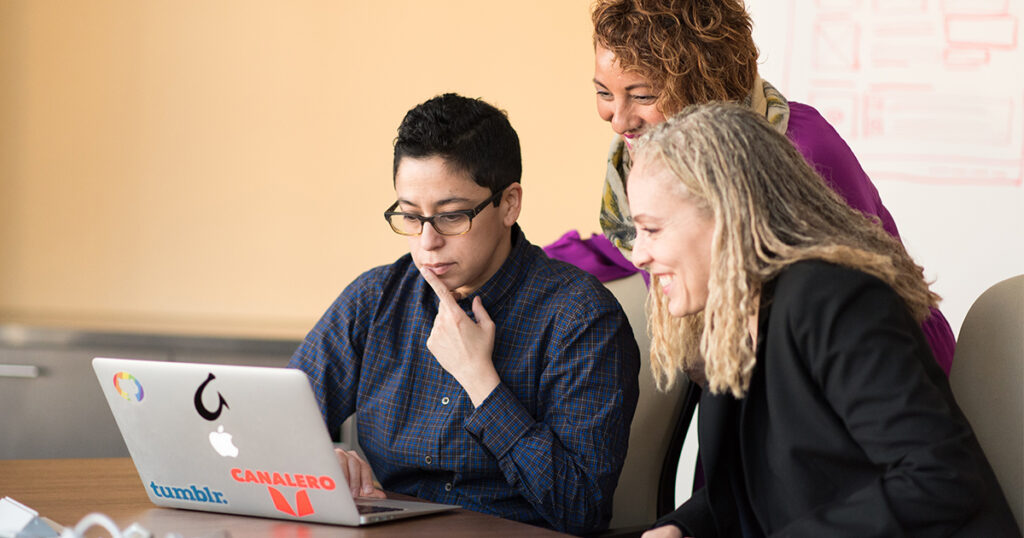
{"x":236,"y":439}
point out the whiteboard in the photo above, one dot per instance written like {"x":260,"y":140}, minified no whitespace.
{"x":929,"y":94}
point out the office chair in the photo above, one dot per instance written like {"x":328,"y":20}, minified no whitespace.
{"x":647,"y":485}
{"x":987,"y":379}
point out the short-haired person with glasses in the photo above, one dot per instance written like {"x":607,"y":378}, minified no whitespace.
{"x":481,"y":372}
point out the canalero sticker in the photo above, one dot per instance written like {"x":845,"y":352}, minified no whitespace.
{"x":275,"y":481}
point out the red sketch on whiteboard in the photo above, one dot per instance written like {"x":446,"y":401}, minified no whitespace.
{"x":943,"y":137}
{"x":965,"y":57}
{"x":976,"y":7}
{"x":922,"y":90}
{"x":986,"y":31}
{"x":841,"y":6}
{"x":837,"y":45}
{"x":900,"y":7}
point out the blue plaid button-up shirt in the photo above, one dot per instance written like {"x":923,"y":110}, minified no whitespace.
{"x":545,"y":447}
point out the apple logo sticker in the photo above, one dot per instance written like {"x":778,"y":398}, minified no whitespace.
{"x":221,"y":442}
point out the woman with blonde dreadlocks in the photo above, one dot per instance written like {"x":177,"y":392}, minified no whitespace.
{"x":653,"y":57}
{"x":825,"y":413}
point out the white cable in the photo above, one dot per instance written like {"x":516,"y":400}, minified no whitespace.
{"x":137,"y":531}
{"x":132,"y":531}
{"x":95,"y":518}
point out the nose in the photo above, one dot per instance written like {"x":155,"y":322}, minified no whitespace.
{"x":640,"y":256}
{"x":623,"y":119}
{"x":429,"y":238}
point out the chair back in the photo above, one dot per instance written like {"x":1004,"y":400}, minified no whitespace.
{"x":651,"y":435}
{"x":988,"y":382}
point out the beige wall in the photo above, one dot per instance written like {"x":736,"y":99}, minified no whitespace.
{"x":221,"y":167}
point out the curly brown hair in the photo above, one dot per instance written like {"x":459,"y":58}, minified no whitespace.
{"x":691,"y":51}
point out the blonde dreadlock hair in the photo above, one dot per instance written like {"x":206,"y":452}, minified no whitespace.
{"x":770,"y":211}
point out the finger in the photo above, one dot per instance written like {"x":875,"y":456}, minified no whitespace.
{"x":434,"y":282}
{"x":439,"y":288}
{"x":343,"y":460}
{"x":355,"y":476}
{"x":367,"y":477}
{"x":480,"y":312}
{"x":368,"y":488}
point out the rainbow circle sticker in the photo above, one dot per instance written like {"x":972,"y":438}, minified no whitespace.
{"x":125,"y":382}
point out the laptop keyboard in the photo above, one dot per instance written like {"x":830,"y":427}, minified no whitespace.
{"x":375,"y":509}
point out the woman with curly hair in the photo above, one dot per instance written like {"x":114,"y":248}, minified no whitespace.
{"x":825,"y":413}
{"x":653,"y":57}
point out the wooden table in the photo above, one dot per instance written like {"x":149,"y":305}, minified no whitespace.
{"x":65,"y":490}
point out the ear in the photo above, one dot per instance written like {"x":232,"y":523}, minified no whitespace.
{"x":511,"y":204}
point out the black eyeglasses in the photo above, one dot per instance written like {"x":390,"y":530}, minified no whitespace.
{"x":447,"y":223}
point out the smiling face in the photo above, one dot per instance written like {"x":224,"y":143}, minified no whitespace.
{"x":464,"y":262}
{"x":624,"y":98}
{"x":673,"y":236}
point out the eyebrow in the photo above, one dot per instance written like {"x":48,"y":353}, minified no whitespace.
{"x":628,"y":88}
{"x":644,"y":218}
{"x":444,"y":202}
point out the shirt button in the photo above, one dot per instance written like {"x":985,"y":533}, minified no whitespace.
{"x":428,"y":459}
{"x":448,"y":486}
{"x":445,"y":400}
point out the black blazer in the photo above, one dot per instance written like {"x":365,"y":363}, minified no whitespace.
{"x":849,"y":427}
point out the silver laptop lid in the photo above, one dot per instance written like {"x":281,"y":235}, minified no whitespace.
{"x":236,"y":439}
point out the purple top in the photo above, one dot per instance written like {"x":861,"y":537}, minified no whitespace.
{"x":597,"y":256}
{"x":828,"y":153}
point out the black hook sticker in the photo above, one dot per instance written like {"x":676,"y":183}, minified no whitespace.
{"x":203,"y":412}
